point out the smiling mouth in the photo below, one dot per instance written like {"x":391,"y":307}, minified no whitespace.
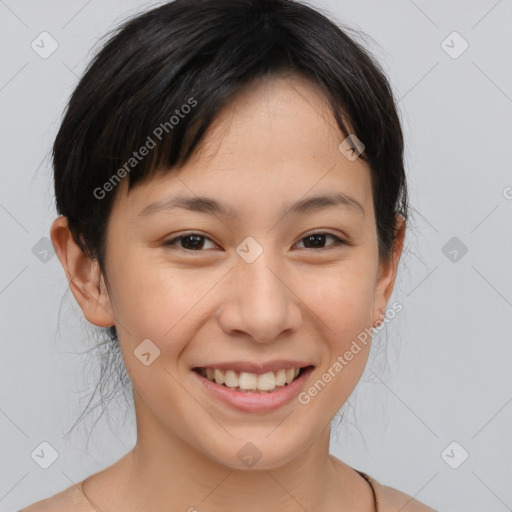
{"x":247,"y":382}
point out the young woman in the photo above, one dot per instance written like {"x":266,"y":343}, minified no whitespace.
{"x":230,"y":182}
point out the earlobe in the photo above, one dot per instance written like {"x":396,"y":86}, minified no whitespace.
{"x":85,"y":279}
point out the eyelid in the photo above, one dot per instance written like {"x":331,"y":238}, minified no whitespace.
{"x":172,"y":242}
{"x":339,"y":240}
{"x":321,"y":232}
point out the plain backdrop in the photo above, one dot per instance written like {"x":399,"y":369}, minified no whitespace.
{"x":435,"y":421}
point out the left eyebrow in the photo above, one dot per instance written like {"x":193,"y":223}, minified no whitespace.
{"x":320,"y":202}
{"x":213,"y":207}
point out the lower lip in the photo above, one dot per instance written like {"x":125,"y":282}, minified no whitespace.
{"x":255,"y":402}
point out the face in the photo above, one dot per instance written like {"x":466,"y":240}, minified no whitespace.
{"x":250,"y":285}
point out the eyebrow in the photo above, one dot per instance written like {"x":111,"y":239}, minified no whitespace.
{"x":213,"y":207}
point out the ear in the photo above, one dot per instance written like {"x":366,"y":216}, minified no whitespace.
{"x":387,"y":273}
{"x":85,"y":279}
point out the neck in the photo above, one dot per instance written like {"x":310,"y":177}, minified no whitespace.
{"x":177,"y":473}
{"x":162,"y":469}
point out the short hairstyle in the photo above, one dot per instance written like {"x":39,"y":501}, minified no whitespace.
{"x":198,"y":54}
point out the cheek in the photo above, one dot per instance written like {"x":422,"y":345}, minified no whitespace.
{"x":343,"y":307}
{"x":154,"y":301}
{"x":142,"y":291}
{"x":342,"y":299}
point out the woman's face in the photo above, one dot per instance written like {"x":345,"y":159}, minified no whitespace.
{"x":252,"y":290}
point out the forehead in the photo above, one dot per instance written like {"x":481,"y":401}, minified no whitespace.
{"x":275,"y":141}
{"x":273,"y":117}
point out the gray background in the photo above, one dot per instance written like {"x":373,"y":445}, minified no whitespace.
{"x":449,"y":350}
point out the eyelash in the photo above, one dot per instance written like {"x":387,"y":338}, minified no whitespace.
{"x":337,"y":241}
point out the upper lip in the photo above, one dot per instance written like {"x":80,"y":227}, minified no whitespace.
{"x":259,"y":368}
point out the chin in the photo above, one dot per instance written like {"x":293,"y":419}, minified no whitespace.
{"x":258,"y":451}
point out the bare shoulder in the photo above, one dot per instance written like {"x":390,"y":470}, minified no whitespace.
{"x":390,"y":499}
{"x":68,"y":500}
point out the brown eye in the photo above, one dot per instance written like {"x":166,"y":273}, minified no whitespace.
{"x":194,"y":242}
{"x":316,"y":240}
{"x":190,"y":242}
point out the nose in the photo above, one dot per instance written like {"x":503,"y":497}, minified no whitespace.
{"x":260,"y":302}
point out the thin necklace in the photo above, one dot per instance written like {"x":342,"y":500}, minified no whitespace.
{"x":364,"y":476}
{"x":376,"y":509}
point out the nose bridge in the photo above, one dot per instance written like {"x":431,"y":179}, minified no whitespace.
{"x":263,"y":306}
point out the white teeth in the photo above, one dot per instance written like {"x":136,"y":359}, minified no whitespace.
{"x":281,"y":378}
{"x":218,"y":376}
{"x":246,"y":381}
{"x":231,"y":379}
{"x":266,"y":381}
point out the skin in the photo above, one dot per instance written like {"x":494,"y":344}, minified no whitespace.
{"x":275,"y":143}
